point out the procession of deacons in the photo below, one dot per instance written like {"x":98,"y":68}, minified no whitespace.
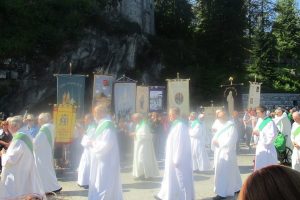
{"x":28,"y":167}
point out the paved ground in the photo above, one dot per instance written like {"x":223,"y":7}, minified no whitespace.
{"x":137,"y":190}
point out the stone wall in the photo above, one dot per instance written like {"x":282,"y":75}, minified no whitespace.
{"x":271,"y":100}
{"x":141,"y":12}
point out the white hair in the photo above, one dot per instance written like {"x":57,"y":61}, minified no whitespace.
{"x":46,"y":117}
{"x":16,"y":121}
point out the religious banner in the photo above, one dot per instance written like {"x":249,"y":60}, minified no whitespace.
{"x":254,"y":94}
{"x":156,"y":98}
{"x":70,"y":90}
{"x":102,"y":89}
{"x":124,"y":99}
{"x":142,"y":99}
{"x":179,"y":95}
{"x":64,"y":117}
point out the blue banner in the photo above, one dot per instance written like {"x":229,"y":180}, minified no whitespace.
{"x":70,"y":90}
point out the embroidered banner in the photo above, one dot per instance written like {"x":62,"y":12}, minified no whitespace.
{"x":142,"y":99}
{"x":64,"y":117}
{"x":178,"y":95}
{"x":254,"y":94}
{"x":124,"y":100}
{"x":102,"y":90}
{"x":70,"y":90}
{"x":157,"y":98}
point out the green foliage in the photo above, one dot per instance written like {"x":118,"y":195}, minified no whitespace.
{"x":29,"y":28}
{"x":286,"y":30}
{"x":173,"y":18}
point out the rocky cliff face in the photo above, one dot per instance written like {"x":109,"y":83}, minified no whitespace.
{"x":115,"y":54}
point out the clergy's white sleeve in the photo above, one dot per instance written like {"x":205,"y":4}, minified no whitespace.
{"x":178,"y":144}
{"x":38,"y":141}
{"x":13,"y":155}
{"x":103,"y":143}
{"x":85,"y":141}
{"x":270,"y":131}
{"x":194,"y":132}
{"x":230,"y":139}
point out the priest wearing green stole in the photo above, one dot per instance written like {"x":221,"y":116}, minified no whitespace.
{"x":227,"y":174}
{"x":144,"y":160}
{"x":43,"y":145}
{"x":105,"y":162}
{"x":177,"y":183}
{"x":266,"y":129}
{"x":295,"y":136}
{"x":19,"y":175}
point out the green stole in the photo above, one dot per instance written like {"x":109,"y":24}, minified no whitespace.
{"x":217,"y":134}
{"x":140,"y":125}
{"x":105,"y":124}
{"x":88,"y":130}
{"x":194,"y":123}
{"x":45,"y":130}
{"x":264,"y":123}
{"x":174,"y":123}
{"x":25,"y":139}
{"x":296,"y":132}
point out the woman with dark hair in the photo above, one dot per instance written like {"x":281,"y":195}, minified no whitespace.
{"x":272,"y":183}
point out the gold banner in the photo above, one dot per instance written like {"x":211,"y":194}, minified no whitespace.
{"x":64,"y":117}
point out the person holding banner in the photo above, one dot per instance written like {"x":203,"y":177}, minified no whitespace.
{"x":144,"y":160}
{"x":43,"y":145}
{"x":266,"y":129}
{"x":227,"y":174}
{"x":105,"y":162}
{"x":19,"y":175}
{"x":178,"y":176}
{"x":197,"y":132}
{"x":295,"y":136}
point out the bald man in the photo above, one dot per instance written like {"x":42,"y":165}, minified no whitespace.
{"x":295,"y":137}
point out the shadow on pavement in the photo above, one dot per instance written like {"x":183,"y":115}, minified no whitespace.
{"x":141,"y":185}
{"x":200,"y":178}
{"x":246,"y":169}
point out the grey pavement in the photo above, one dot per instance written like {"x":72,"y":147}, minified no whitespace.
{"x":146,"y":189}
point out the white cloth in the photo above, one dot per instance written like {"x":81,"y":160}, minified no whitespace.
{"x":144,"y":160}
{"x":284,"y":126}
{"x":265,"y":150}
{"x":43,"y":154}
{"x":105,"y":167}
{"x":84,"y":165}
{"x":177,"y":183}
{"x":227,"y":174}
{"x":200,"y":158}
{"x":215,"y":127}
{"x":296,"y":152}
{"x":19,"y":174}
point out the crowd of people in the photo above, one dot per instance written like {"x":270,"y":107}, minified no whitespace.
{"x":28,"y":166}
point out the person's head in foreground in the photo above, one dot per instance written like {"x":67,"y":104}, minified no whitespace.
{"x":272,"y":183}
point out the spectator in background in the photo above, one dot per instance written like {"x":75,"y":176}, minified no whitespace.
{"x":239,"y":127}
{"x":157,"y":132}
{"x":5,"y":138}
{"x":248,"y":127}
{"x":262,"y":184}
{"x":30,"y":127}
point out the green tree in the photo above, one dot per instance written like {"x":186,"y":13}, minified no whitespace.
{"x":221,"y":24}
{"x":173,"y":18}
{"x":286,"y":30}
